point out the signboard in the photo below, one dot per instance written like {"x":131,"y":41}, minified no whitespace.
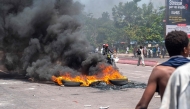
{"x":178,"y":15}
{"x":186,"y":28}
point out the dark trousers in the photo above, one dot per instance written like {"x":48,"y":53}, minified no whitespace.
{"x":139,"y":59}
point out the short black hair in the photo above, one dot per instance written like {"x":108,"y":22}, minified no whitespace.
{"x":175,"y":41}
{"x":140,"y":47}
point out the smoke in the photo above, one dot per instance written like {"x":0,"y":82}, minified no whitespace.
{"x":91,"y":63}
{"x":43,"y":38}
{"x":37,"y":15}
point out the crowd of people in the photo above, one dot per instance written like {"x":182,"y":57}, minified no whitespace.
{"x":151,"y":52}
{"x":143,"y":52}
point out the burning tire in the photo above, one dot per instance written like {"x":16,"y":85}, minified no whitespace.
{"x":71,"y":83}
{"x":119,"y":82}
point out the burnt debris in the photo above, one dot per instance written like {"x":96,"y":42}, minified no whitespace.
{"x":131,"y":84}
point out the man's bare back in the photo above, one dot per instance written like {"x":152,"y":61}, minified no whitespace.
{"x":157,"y":81}
{"x":163,"y":74}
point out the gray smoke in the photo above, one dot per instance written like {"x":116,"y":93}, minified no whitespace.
{"x":43,"y":38}
{"x":37,"y":15}
{"x":91,"y":63}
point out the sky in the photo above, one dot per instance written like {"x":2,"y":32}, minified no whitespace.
{"x":97,"y":7}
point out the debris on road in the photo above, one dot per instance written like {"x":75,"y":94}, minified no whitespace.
{"x":87,"y":105}
{"x":104,"y":107}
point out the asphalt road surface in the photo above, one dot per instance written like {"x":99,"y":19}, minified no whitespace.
{"x":21,"y":94}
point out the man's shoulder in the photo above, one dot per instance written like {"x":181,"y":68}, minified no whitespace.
{"x":161,"y":67}
{"x":160,"y":70}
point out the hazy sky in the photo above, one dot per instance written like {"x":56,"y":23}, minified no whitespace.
{"x":97,"y":7}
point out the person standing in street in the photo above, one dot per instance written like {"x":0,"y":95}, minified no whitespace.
{"x":158,"y":52}
{"x":140,"y":54}
{"x":154,"y":52}
{"x":127,"y":50}
{"x":151,"y":53}
{"x":135,"y":51}
{"x":145,"y":51}
{"x":178,"y":47}
{"x":163,"y":52}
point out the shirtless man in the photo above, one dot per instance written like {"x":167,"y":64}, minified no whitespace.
{"x":177,"y":45}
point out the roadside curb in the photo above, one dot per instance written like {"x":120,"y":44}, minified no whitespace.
{"x":134,"y":62}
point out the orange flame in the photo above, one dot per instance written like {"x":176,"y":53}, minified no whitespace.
{"x":107,"y":73}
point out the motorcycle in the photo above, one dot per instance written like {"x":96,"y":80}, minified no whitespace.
{"x":110,"y":60}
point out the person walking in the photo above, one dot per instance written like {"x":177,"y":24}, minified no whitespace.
{"x":140,"y":54}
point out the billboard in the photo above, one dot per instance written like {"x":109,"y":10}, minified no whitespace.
{"x":178,"y":15}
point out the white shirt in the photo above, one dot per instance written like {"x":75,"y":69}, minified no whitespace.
{"x":142,"y":54}
{"x":127,"y":48}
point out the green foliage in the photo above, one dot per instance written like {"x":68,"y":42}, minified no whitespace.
{"x":130,"y":22}
{"x":141,"y":24}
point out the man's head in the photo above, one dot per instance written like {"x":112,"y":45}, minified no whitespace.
{"x":140,"y":47}
{"x":177,"y":43}
{"x":103,"y":45}
{"x":106,"y":45}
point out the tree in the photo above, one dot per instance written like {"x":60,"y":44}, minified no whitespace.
{"x":141,"y":24}
{"x":100,"y":30}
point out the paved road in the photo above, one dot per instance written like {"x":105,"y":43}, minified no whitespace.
{"x":19,"y":94}
{"x":128,"y":59}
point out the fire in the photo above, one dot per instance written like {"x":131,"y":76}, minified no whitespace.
{"x":107,"y":73}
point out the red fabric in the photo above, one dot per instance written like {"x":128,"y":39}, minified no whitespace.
{"x":188,"y":35}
